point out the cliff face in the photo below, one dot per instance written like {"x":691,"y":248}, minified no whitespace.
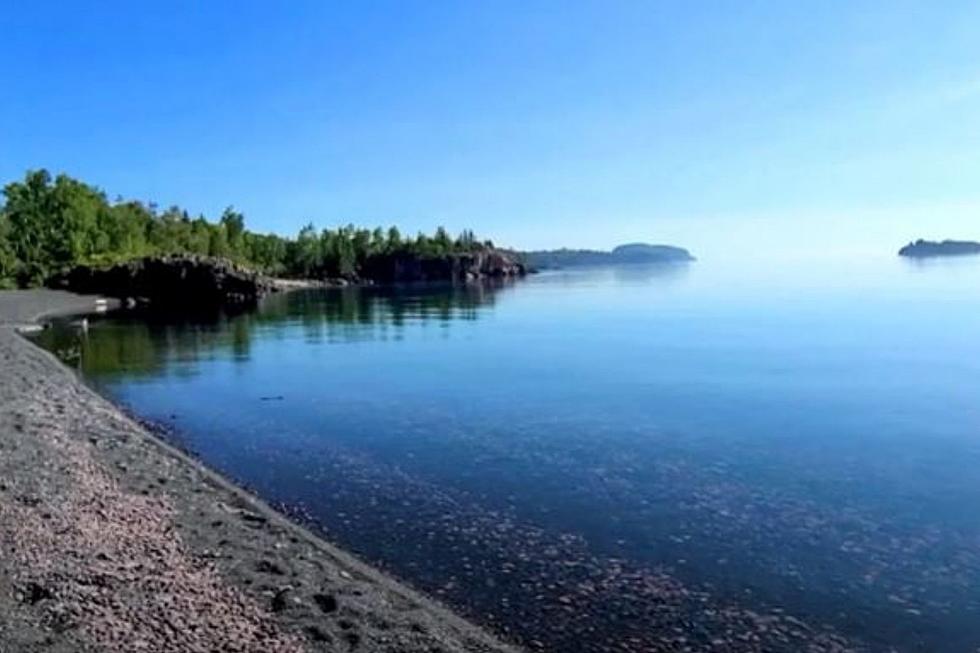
{"x":407,"y":268}
{"x":193,"y":281}
{"x":928,"y":249}
{"x":170,"y":280}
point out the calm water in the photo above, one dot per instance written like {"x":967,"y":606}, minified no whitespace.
{"x":648,"y":458}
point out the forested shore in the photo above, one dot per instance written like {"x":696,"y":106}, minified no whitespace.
{"x":49,"y":225}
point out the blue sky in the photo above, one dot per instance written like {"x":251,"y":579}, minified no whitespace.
{"x":715,"y":125}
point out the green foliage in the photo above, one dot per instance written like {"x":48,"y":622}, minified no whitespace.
{"x":49,"y":225}
{"x":234,"y":227}
{"x":8,"y":262}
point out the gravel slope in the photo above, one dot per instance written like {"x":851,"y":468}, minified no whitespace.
{"x":112,"y":541}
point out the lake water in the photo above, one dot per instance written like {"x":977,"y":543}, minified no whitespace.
{"x":704,"y":457}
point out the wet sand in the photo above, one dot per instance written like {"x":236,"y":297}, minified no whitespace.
{"x":110,"y":540}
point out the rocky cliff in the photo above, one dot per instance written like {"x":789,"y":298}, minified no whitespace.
{"x":170,"y":280}
{"x":407,"y":268}
{"x":195,"y":281}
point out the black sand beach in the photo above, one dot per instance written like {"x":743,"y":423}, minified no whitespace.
{"x":111,"y":540}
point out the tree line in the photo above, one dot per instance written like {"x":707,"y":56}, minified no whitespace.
{"x":48,"y":225}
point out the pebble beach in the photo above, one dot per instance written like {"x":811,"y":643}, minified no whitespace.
{"x":110,"y":540}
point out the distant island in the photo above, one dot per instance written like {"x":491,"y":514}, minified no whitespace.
{"x":630,"y":253}
{"x":931,"y":249}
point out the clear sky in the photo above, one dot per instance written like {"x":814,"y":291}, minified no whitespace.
{"x":721,"y":126}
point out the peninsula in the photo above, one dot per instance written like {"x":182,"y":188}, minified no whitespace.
{"x":631,"y":253}
{"x":66,"y":233}
{"x":110,"y":539}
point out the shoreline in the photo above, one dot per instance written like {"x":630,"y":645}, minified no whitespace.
{"x":114,"y":539}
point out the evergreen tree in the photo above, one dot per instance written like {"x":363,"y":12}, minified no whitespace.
{"x":394,"y":239}
{"x":48,"y":225}
{"x":234,"y":224}
{"x":8,"y":262}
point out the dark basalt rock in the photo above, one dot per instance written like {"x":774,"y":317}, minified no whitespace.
{"x":326,"y":602}
{"x":269,"y":567}
{"x":279,"y":602}
{"x":192,"y":282}
{"x":407,"y":268}
{"x":169,"y":280}
{"x":929,"y":249}
{"x":35,"y":593}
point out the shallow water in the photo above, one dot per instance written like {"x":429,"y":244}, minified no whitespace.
{"x":644,"y":457}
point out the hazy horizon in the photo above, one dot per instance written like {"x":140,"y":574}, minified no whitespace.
{"x":846,"y":130}
{"x":771,"y":448}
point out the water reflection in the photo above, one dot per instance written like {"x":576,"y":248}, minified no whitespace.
{"x":965,"y":262}
{"x":662,"y":457}
{"x":658,"y":274}
{"x":144,"y":343}
{"x":644,"y":274}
